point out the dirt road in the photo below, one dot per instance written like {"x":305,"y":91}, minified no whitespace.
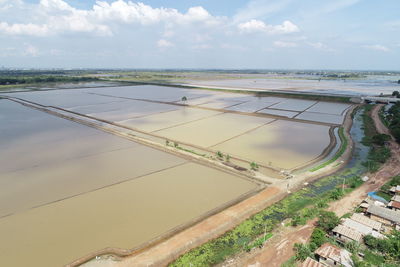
{"x":275,"y":253}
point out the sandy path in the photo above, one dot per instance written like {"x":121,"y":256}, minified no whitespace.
{"x":276,"y":253}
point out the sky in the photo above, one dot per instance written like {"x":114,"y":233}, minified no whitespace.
{"x":204,"y":34}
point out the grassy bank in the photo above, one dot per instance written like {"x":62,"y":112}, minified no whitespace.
{"x":339,"y":153}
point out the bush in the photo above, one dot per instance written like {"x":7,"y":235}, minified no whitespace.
{"x":302,"y":251}
{"x":380,"y":139}
{"x":318,"y":237}
{"x":327,"y":220}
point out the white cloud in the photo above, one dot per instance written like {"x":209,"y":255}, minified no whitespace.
{"x":284,"y":44}
{"x":24,"y":29}
{"x":260,"y":8}
{"x":57,"y":16}
{"x":377,"y":47}
{"x":162,"y":43}
{"x":31,"y":50}
{"x":259,"y":26}
{"x":320,"y":46}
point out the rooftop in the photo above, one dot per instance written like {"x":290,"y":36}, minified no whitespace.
{"x":361,"y":228}
{"x":348,"y":232}
{"x":334,"y":253}
{"x":311,"y":263}
{"x":396,"y":198}
{"x":358,"y":217}
{"x":394,"y":204}
{"x":395,"y":188}
{"x":388,"y":214}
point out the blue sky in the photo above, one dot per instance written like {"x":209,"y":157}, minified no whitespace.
{"x":267,"y":34}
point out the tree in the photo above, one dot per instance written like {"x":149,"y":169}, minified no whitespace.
{"x":184,"y":99}
{"x":318,"y":237}
{"x":220,"y":155}
{"x":302,"y":251}
{"x":254,"y":166}
{"x":396,"y":93}
{"x":327,"y":220}
{"x":380,"y":139}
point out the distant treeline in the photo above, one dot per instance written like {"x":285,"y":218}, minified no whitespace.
{"x":393,"y":118}
{"x":43,"y":79}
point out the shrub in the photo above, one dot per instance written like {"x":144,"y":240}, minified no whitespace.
{"x":302,"y":251}
{"x":327,"y":220}
{"x":318,"y":237}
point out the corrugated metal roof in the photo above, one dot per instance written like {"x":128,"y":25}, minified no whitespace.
{"x":329,"y":251}
{"x":394,"y":204}
{"x":388,"y":214}
{"x":311,"y":263}
{"x":348,"y":232}
{"x":336,"y":254}
{"x":396,"y":198}
{"x":358,"y":217}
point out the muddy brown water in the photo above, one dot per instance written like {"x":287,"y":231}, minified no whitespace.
{"x":67,"y":190}
{"x":283,"y":144}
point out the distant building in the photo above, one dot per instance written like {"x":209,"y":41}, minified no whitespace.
{"x":331,"y":255}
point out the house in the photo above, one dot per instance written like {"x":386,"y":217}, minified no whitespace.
{"x":388,"y":217}
{"x":361,"y":228}
{"x":346,"y":234}
{"x":331,"y":255}
{"x":358,"y":217}
{"x":311,"y":263}
{"x":368,"y":201}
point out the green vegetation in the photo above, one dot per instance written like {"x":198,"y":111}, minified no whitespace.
{"x":303,"y":251}
{"x":393,"y":119}
{"x":388,"y":247}
{"x":339,"y":153}
{"x":304,"y":203}
{"x":24,"y":80}
{"x":254,"y":166}
{"x":177,"y":146}
{"x":259,"y":242}
{"x":385,"y":189}
{"x":378,"y":153}
{"x":220,"y":155}
{"x":327,"y":220}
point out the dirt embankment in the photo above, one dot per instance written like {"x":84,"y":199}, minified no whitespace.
{"x":280,"y":249}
